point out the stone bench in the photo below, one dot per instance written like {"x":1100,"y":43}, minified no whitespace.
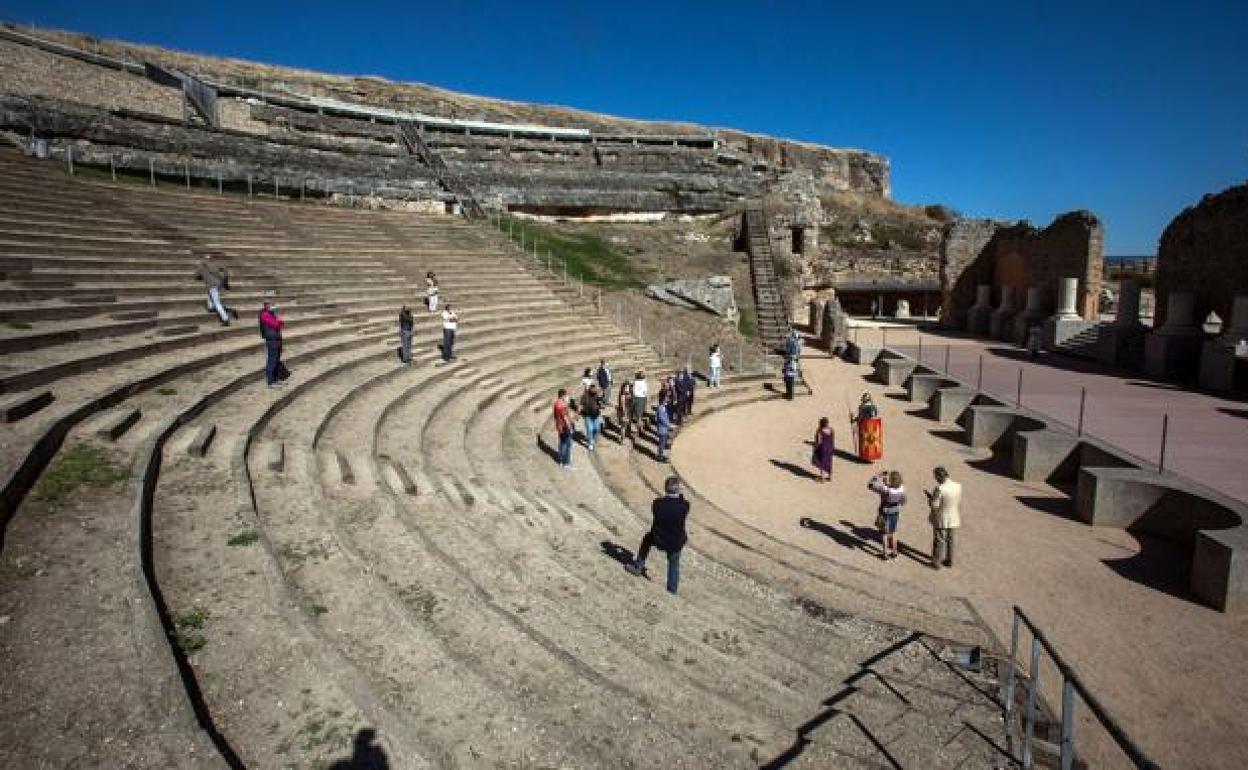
{"x":1210,"y":524}
{"x":893,"y":370}
{"x":857,"y":354}
{"x":923,"y":385}
{"x":990,"y":425}
{"x":948,"y":404}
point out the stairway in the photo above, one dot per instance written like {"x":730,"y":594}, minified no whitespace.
{"x":454,"y":184}
{"x":1084,"y":343}
{"x":770,"y":305}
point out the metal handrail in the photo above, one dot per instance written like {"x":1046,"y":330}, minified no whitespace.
{"x":1071,"y":683}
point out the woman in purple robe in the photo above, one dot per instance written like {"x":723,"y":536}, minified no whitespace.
{"x":825,"y":447}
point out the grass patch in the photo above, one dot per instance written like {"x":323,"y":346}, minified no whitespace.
{"x":19,"y":325}
{"x":186,"y":630}
{"x":246,"y":537}
{"x":746,"y":324}
{"x":167,"y":391}
{"x":315,"y":609}
{"x":588,"y":256}
{"x":81,"y":465}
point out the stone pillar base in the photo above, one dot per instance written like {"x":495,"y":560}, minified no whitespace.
{"x":1023,"y":324}
{"x":1173,"y":353}
{"x":999,"y":326}
{"x":1219,"y":367}
{"x":978,"y":320}
{"x":1121,"y":346}
{"x":1058,"y":329}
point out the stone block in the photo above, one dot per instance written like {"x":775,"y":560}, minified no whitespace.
{"x":923,"y":386}
{"x":1036,"y":455}
{"x":275,"y":456}
{"x":1220,"y":368}
{"x":1167,"y":355}
{"x":16,"y":407}
{"x":856,"y":354}
{"x":988,"y":425}
{"x":948,"y":404}
{"x":115,"y":425}
{"x":201,"y":441}
{"x":893,"y":371}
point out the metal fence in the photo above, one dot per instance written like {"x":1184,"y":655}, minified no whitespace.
{"x":1021,"y":729}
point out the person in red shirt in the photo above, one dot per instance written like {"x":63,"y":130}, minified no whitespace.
{"x":565,"y":420}
{"x":271,"y":331}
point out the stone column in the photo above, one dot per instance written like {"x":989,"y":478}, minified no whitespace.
{"x":978,"y":315}
{"x":1000,"y":324}
{"x":816,"y":318}
{"x":1128,"y":313}
{"x":1067,"y":299}
{"x":1032,"y":314}
{"x":1237,"y":329}
{"x":1175,"y":348}
{"x":1122,"y":342}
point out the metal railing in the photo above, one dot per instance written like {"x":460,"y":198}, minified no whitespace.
{"x":454,"y":184}
{"x":1022,"y":747}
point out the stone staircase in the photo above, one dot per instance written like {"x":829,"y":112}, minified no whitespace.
{"x":411,"y":136}
{"x":1084,"y":343}
{"x":388,"y":547}
{"x":770,"y":305}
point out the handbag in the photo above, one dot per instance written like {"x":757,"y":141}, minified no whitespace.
{"x":879,"y":521}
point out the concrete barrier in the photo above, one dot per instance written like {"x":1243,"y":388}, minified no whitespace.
{"x":893,"y":370}
{"x":922,"y":386}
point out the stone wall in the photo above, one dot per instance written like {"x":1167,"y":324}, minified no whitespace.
{"x":622,"y":166}
{"x":1204,"y":250}
{"x":1019,"y":257}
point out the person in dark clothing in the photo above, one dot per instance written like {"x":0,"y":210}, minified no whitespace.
{"x":789,"y":372}
{"x":685,"y":385}
{"x":604,"y":377}
{"x":667,"y":533}
{"x":271,"y":331}
{"x":406,"y":326}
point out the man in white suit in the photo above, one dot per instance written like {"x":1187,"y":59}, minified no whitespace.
{"x":945,"y":502}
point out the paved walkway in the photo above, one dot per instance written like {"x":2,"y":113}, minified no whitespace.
{"x":1208,"y":435}
{"x":1171,"y":669}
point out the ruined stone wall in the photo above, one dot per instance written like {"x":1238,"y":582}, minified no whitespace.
{"x":963,"y":241}
{"x":1204,"y":250}
{"x":1021,"y":256}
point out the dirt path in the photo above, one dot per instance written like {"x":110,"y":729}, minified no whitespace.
{"x":1114,"y":603}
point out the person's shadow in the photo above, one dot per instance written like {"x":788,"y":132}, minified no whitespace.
{"x":366,"y":755}
{"x":795,"y":469}
{"x":617,"y":552}
{"x":861,"y":538}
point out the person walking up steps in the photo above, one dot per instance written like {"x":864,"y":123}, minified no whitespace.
{"x":640,"y":390}
{"x":716,"y":366}
{"x":407,"y":326}
{"x":565,"y":420}
{"x":215,"y":280}
{"x":431,"y":292}
{"x":667,"y":533}
{"x":685,"y":387}
{"x":624,"y":410}
{"x":450,"y":322}
{"x":789,"y":372}
{"x":271,"y":331}
{"x":892,"y":497}
{"x":945,"y":502}
{"x":591,"y":410}
{"x":662,"y":429}
{"x":604,"y":377}
{"x":825,"y":448}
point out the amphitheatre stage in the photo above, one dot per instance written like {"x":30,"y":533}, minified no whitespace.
{"x":1114,"y":601}
{"x":380,"y":564}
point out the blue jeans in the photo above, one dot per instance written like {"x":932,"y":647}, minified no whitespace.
{"x":593,"y":429}
{"x":448,"y":343}
{"x":565,"y":448}
{"x":663,"y":438}
{"x":405,"y":345}
{"x":273,"y":356}
{"x":673,"y":561}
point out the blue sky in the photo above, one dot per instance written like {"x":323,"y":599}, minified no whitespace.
{"x":1015,"y":110}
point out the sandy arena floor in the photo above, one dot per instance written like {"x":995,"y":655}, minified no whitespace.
{"x":1115,"y":604}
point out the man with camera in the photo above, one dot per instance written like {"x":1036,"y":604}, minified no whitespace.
{"x":667,"y":533}
{"x":945,"y":503}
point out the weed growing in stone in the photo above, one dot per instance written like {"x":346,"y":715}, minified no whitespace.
{"x":81,"y":465}
{"x":19,"y":325}
{"x":167,"y":391}
{"x":246,"y":537}
{"x":187,"y":626}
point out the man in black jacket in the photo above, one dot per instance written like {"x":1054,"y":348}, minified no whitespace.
{"x":667,"y":533}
